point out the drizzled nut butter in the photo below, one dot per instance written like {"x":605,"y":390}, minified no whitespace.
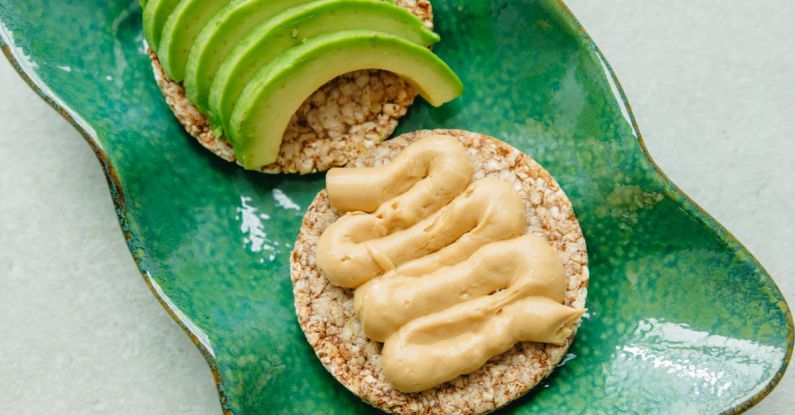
{"x":443,"y":270}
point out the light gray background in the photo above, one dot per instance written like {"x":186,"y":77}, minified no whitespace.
{"x":712,"y":84}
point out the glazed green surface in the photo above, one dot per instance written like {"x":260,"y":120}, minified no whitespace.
{"x":681,"y":317}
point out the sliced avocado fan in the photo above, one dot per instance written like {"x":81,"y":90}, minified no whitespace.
{"x":156,"y":13}
{"x":269,"y":101}
{"x":222,"y":33}
{"x":250,"y":64}
{"x":294,"y":27}
{"x":180,"y":31}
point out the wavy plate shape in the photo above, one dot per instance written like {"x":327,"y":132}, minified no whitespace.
{"x":682,"y":318}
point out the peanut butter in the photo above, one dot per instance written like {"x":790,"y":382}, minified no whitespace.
{"x":444,"y":273}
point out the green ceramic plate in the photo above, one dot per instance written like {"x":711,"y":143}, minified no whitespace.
{"x":682,"y":318}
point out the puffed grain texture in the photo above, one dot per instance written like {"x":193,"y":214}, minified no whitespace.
{"x":325,"y":312}
{"x":344,"y":118}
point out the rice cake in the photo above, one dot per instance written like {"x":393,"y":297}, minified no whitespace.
{"x":343,"y":119}
{"x":325,"y":311}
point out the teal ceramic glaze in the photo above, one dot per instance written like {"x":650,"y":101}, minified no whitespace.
{"x":682,"y":318}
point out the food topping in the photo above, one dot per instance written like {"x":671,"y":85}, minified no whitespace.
{"x":444,"y":272}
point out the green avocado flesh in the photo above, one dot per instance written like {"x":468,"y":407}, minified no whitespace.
{"x":278,"y":90}
{"x":291,"y":29}
{"x":220,"y":36}
{"x":250,"y":64}
{"x":180,"y":32}
{"x":155,"y":15}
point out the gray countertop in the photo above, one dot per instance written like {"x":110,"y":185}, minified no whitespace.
{"x":712,"y":83}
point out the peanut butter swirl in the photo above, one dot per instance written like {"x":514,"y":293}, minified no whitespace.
{"x":444,"y":273}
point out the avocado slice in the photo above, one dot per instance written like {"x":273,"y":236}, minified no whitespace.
{"x":294,"y":27}
{"x":269,"y":101}
{"x":155,"y":15}
{"x":181,"y":30}
{"x":222,"y":33}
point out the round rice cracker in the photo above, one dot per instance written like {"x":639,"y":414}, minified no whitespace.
{"x":325,"y":312}
{"x":347,"y":116}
